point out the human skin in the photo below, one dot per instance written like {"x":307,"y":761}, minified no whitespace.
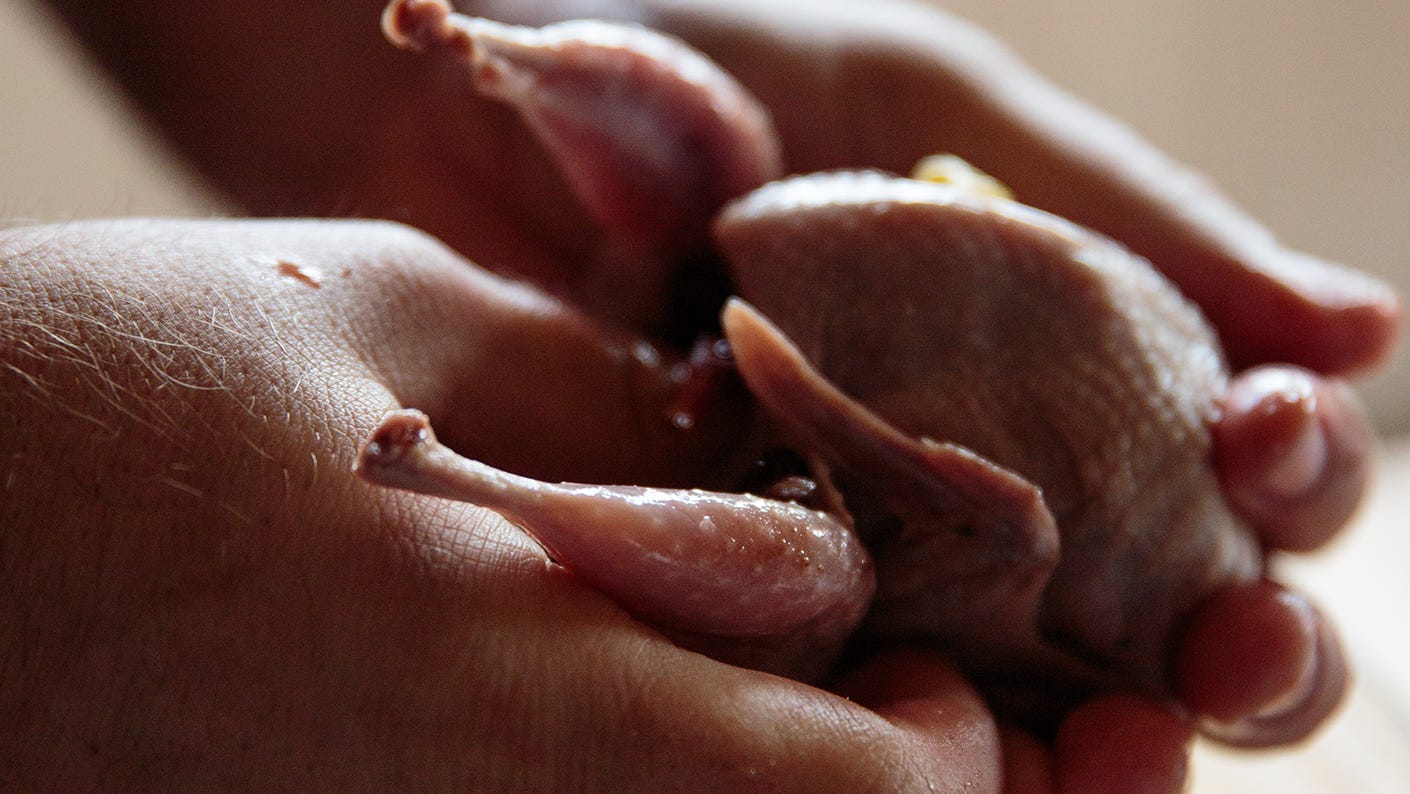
{"x":199,"y":592}
{"x":304,"y":109}
{"x":330,"y":120}
{"x":668,"y":139}
{"x":313,"y":146}
{"x":198,"y":589}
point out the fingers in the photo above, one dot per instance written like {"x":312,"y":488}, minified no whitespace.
{"x":1269,"y":303}
{"x":1117,"y":744}
{"x":890,"y":88}
{"x":947,"y":730}
{"x":514,"y":377}
{"x":884,"y":90}
{"x":671,"y":720}
{"x":881,"y":86}
{"x":1122,"y":743}
{"x":1261,"y":665}
{"x":1293,"y":453}
{"x":1028,"y":763}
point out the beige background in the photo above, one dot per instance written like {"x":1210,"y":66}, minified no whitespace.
{"x":1300,"y":109}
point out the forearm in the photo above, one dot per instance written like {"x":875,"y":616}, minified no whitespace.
{"x":269,"y":100}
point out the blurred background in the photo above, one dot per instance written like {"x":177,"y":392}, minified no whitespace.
{"x":1298,"y":109}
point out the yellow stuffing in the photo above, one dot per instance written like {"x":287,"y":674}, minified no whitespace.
{"x":948,"y":169}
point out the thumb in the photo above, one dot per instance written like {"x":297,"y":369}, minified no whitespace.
{"x":520,"y":380}
{"x":951,"y":738}
{"x":892,"y":86}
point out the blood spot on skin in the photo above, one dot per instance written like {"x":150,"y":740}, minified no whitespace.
{"x":304,"y":275}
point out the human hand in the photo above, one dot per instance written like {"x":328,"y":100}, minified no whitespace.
{"x":305,"y":110}
{"x":384,"y":134}
{"x":1281,"y":427}
{"x":1332,"y":321}
{"x":198,"y":591}
{"x":854,"y":86}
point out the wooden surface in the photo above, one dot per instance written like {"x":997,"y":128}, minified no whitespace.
{"x":1363,"y":582}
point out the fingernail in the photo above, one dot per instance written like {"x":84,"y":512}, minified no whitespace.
{"x":1291,"y":714}
{"x":1300,"y":465}
{"x":1273,"y":424}
{"x":1301,"y":687}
